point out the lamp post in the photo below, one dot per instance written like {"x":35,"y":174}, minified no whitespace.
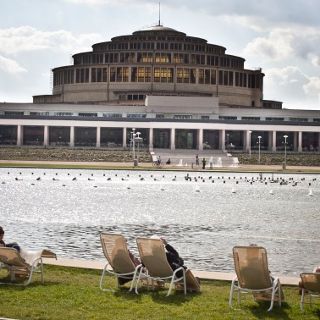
{"x":132,"y":142}
{"x":285,"y":151}
{"x":259,"y":145}
{"x":138,"y":139}
{"x":135,"y":137}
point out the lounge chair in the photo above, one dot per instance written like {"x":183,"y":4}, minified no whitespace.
{"x":253,"y":276}
{"x":22,"y":265}
{"x":310,"y":284}
{"x":115,"y":250}
{"x":153,"y":257}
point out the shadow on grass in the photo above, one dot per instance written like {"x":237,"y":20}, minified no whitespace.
{"x":158,"y":295}
{"x":260,"y":311}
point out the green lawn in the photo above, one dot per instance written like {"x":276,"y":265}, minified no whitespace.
{"x":70,"y":293}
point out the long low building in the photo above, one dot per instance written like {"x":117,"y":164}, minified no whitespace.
{"x":164,"y":122}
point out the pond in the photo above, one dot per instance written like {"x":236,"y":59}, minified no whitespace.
{"x":202,"y":214}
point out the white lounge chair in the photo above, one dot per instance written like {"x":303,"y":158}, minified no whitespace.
{"x":22,"y":265}
{"x":153,"y":257}
{"x":115,"y":250}
{"x":251,"y":266}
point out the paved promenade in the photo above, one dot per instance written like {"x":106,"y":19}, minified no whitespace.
{"x":149,"y":166}
{"x":99,"y":265}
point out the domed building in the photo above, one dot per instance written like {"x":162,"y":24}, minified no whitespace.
{"x":155,"y":61}
{"x":179,"y":92}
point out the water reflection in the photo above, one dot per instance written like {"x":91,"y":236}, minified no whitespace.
{"x":199,"y":213}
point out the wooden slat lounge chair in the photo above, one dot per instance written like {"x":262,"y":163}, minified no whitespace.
{"x":153,"y":257}
{"x":252,"y":274}
{"x":18,"y":267}
{"x":115,"y":250}
{"x":310,"y":284}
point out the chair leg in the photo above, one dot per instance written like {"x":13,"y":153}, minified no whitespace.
{"x":231,"y":294}
{"x":302,"y":300}
{"x":171,"y":286}
{"x":41,"y":270}
{"x":272,"y":299}
{"x":280,"y":293}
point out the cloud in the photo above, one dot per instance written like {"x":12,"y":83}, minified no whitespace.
{"x":312,"y":88}
{"x":303,"y":12}
{"x":287,"y":43}
{"x":26,"y":38}
{"x":10,"y":66}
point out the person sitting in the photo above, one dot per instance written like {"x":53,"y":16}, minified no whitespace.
{"x":175,"y":262}
{"x":168,"y":161}
{"x":13,"y":245}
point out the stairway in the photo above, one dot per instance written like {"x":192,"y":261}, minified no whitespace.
{"x":181,"y":157}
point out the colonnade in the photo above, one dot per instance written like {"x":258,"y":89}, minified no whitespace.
{"x":271,"y":140}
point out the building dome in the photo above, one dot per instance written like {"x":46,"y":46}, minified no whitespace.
{"x":157,"y":60}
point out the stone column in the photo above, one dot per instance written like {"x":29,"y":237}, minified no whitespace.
{"x":124,"y":137}
{"x":295,"y":141}
{"x":300,"y":141}
{"x":247,"y":141}
{"x":98,"y":137}
{"x":200,"y":139}
{"x":46,"y":136}
{"x":222,"y":140}
{"x":71,"y":144}
{"x":19,"y":135}
{"x":274,"y":141}
{"x":90,"y":72}
{"x":150,"y":139}
{"x":173,"y":139}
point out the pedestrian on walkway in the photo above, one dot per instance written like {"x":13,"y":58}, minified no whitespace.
{"x":204,"y":162}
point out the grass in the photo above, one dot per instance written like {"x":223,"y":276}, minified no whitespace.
{"x":70,"y":293}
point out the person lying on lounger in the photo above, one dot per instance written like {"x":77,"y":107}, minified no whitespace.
{"x":8,"y":245}
{"x":175,"y":262}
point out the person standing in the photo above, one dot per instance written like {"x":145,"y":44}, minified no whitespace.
{"x":204,"y":162}
{"x":197,"y":159}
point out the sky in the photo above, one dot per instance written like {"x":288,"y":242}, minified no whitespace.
{"x":281,"y":37}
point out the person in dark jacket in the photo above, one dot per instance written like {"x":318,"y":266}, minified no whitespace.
{"x":175,"y":262}
{"x":8,"y":245}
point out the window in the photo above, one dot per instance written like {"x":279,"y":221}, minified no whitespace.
{"x":250,"y":118}
{"x":43,"y":113}
{"x":182,"y":116}
{"x":227,"y":118}
{"x":274,"y":119}
{"x":298,"y":119}
{"x":136,"y":115}
{"x":112,"y":115}
{"x":87,"y":114}
{"x":62,"y":114}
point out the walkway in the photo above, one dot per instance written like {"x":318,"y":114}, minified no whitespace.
{"x":148,"y":166}
{"x":99,"y":265}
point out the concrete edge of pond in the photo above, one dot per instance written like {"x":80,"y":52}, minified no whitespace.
{"x":205,"y":275}
{"x":149,"y":166}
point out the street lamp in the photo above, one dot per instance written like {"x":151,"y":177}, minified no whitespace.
{"x":259,"y":145}
{"x":135,"y":137}
{"x":285,"y":151}
{"x":138,"y":139}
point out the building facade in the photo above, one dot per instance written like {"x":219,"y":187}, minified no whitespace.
{"x":179,"y":91}
{"x":155,"y":61}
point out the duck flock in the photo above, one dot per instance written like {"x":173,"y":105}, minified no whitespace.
{"x":234,"y":181}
